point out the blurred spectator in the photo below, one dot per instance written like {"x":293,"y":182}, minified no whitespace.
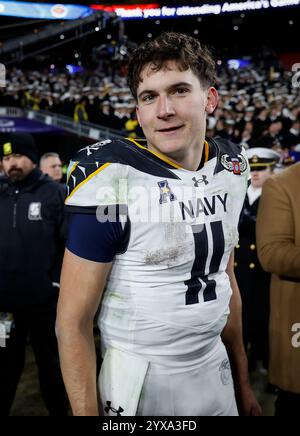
{"x":292,"y":138}
{"x":278,"y":242}
{"x":105,"y":117}
{"x":131,"y":126}
{"x":33,"y":100}
{"x":261,"y":123}
{"x":120,"y":116}
{"x":51,"y":164}
{"x":32,"y":236}
{"x":2,"y":174}
{"x":293,"y":156}
{"x":253,"y":281}
{"x":80,"y":112}
{"x":272,"y":138}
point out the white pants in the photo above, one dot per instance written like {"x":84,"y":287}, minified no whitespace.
{"x":205,"y":391}
{"x":130,"y":385}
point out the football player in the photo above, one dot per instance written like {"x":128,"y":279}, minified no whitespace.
{"x":155,"y":225}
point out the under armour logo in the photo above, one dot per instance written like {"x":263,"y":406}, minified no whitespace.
{"x":202,"y":180}
{"x":108,"y":408}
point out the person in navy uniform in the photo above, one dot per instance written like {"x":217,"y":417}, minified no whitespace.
{"x":253,"y":281}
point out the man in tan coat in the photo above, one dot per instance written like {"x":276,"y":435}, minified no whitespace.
{"x":278,"y":241}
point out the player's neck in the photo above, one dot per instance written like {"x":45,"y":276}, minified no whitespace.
{"x":188,"y":159}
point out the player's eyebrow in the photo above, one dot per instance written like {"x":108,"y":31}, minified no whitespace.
{"x":169,"y":88}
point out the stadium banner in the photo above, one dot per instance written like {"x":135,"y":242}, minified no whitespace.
{"x":155,"y":10}
{"x":23,"y":125}
{"x":48,"y":11}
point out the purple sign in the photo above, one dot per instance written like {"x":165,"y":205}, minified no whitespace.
{"x":23,"y":125}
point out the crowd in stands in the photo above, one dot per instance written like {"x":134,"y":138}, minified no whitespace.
{"x":257,"y":107}
{"x":89,"y":96}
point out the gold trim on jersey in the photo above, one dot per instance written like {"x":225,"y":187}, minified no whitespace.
{"x":161,"y":157}
{"x":206,"y":151}
{"x":73,"y":169}
{"x":87,"y":179}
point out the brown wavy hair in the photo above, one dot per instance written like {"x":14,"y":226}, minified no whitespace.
{"x":172,"y":46}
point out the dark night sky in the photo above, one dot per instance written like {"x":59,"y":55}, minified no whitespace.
{"x":276,"y":28}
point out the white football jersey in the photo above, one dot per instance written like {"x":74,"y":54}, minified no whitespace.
{"x":167,"y":296}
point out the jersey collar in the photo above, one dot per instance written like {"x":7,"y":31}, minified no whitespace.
{"x":206,"y":155}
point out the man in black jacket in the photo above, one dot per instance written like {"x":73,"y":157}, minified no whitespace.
{"x":32,"y":235}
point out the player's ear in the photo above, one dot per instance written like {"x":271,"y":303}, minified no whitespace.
{"x":212,"y":100}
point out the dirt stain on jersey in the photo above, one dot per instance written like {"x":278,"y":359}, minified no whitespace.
{"x":164,"y":256}
{"x":179,"y":248}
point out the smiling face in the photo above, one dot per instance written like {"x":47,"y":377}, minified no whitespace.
{"x":171,"y":109}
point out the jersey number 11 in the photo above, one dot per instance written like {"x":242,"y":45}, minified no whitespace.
{"x":202,"y":266}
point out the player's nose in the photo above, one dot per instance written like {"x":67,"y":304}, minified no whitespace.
{"x":165,"y":107}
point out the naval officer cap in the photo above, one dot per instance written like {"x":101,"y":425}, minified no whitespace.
{"x":261,"y":158}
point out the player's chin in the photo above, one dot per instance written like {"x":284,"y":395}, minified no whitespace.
{"x":170,"y":145}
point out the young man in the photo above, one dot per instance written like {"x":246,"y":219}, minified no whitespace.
{"x":162,"y":245}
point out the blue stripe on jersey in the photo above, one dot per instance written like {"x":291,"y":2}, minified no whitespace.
{"x":198,"y":269}
{"x":218,"y":246}
{"x":93,"y":240}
